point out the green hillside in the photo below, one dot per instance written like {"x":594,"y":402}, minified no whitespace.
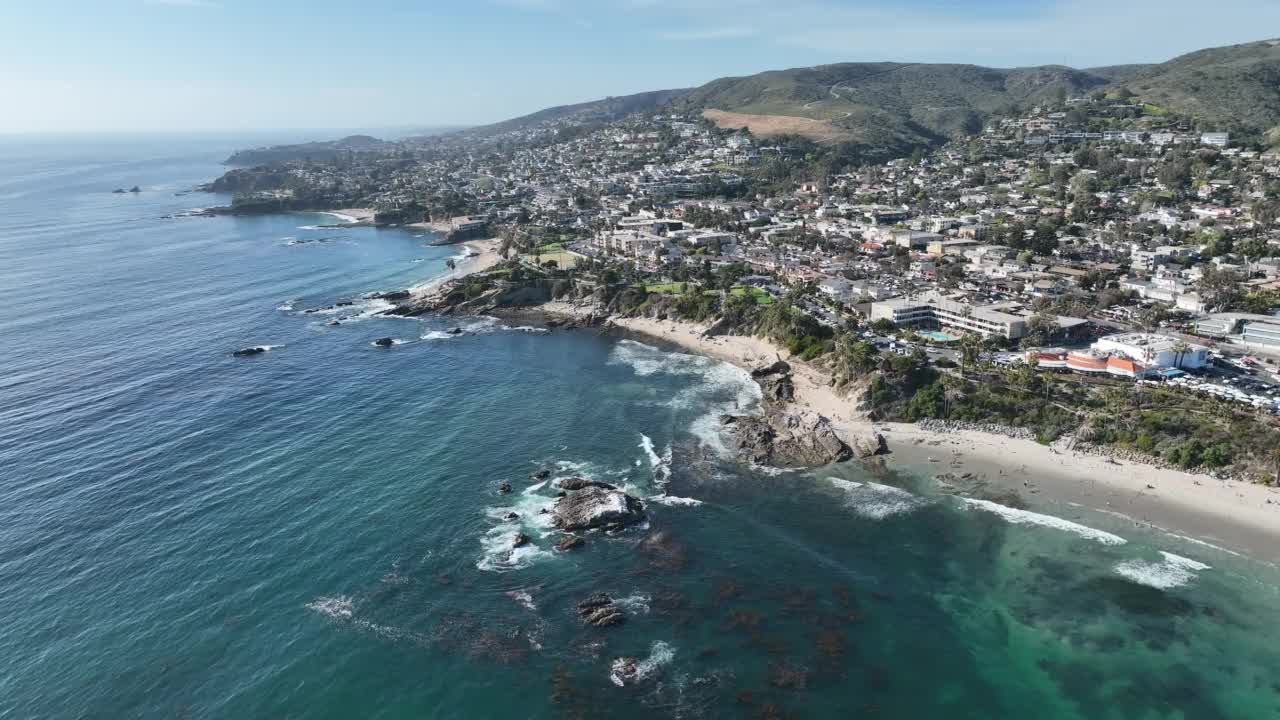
{"x":1232,"y":87}
{"x":608,"y":109}
{"x":890,"y":106}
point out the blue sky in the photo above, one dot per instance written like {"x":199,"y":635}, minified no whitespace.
{"x":84,"y":65}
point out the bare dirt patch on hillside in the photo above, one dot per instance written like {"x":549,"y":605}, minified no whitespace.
{"x":770,"y":125}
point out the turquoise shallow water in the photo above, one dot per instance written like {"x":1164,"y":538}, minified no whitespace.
{"x":314,"y":532}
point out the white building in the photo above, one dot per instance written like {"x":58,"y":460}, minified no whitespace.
{"x":934,"y":309}
{"x":1159,"y":351}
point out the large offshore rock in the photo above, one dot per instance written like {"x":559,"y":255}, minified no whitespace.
{"x":596,"y":507}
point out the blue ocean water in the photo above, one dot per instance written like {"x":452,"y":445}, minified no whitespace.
{"x":315,"y":531}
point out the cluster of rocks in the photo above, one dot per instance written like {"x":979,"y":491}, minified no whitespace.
{"x":460,"y":297}
{"x":788,"y":438}
{"x":954,"y":426}
{"x":599,"y":610}
{"x":787,"y":441}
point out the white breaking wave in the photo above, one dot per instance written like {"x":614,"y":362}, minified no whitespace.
{"x":340,"y":607}
{"x":674,"y":500}
{"x":1173,"y":571}
{"x":524,"y":598}
{"x":876,"y":501}
{"x":499,"y":556}
{"x":660,"y":464}
{"x":660,"y":654}
{"x":484,"y":325}
{"x":357,"y":310}
{"x":635,"y":603}
{"x":646,"y":444}
{"x":1026,"y":517}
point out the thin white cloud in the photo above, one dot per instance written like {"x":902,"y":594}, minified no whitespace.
{"x":724,"y":33}
{"x":1081,"y":33}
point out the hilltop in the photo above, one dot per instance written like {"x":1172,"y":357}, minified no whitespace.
{"x":888,"y":106}
{"x":606,"y":110}
{"x":1237,"y":85}
{"x":317,"y":151}
{"x":886,"y":109}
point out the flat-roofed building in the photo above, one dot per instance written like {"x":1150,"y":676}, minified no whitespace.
{"x":1159,"y":351}
{"x":932,"y":309}
{"x":1261,"y":332}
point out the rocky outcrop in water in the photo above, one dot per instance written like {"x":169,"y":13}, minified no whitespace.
{"x":595,"y":507}
{"x":599,"y":610}
{"x":390,"y":295}
{"x":384,"y":342}
{"x":474,"y":294}
{"x":579,"y":483}
{"x":570,"y":542}
{"x":789,"y":440}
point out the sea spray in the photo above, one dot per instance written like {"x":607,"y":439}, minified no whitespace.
{"x":623,"y":671}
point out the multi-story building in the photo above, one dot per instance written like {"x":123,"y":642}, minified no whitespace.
{"x":934,"y":310}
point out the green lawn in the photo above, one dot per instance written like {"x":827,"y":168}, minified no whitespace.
{"x":563,"y":259}
{"x":667,"y":288}
{"x":762,"y":297}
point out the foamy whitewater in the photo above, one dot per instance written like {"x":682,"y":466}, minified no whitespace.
{"x":1026,"y":517}
{"x":321,"y":531}
{"x":1173,"y":571}
{"x":876,"y":501}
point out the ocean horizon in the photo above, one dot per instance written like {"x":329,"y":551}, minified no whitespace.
{"x":319,"y":530}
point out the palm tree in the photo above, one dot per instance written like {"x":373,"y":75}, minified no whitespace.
{"x":970,"y":348}
{"x":1180,"y":349}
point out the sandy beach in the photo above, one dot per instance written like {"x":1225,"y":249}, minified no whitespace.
{"x":362,"y":216}
{"x":481,"y":255}
{"x":1233,"y":515}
